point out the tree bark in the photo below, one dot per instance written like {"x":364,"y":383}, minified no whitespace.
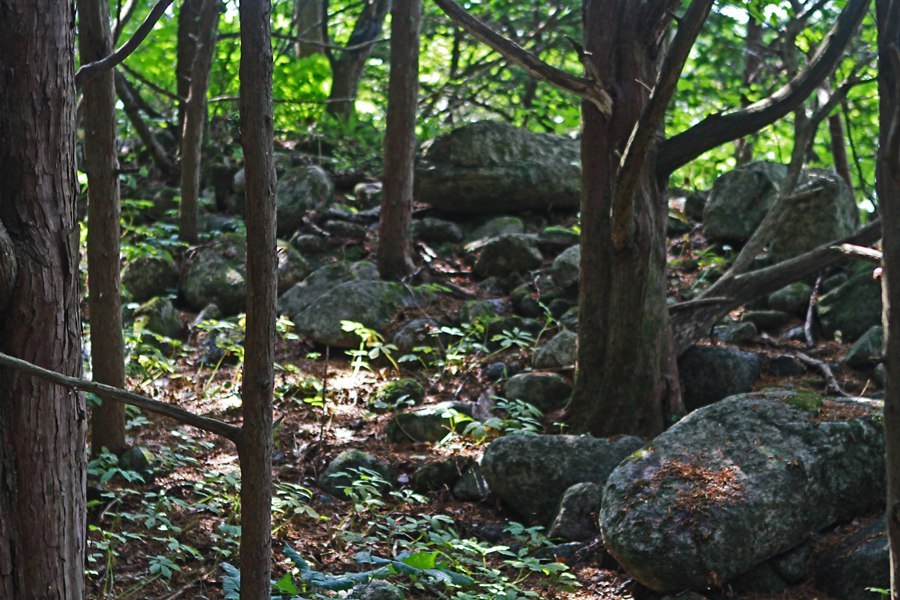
{"x":42,"y":427}
{"x":743,"y":148}
{"x":624,"y":379}
{"x":309,"y":15}
{"x":255,"y":447}
{"x":888,"y":187}
{"x":195,"y":121}
{"x":185,"y":52}
{"x":839,"y":148}
{"x":394,"y":240}
{"x":103,"y":239}
{"x":131,"y":105}
{"x":347,"y":70}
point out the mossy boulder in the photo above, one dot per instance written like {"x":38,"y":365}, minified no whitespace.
{"x":148,"y":276}
{"x":216,"y":273}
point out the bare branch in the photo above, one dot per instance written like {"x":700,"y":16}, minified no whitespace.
{"x":124,"y":51}
{"x":861,"y":252}
{"x":647,"y":127}
{"x":718,"y":129}
{"x":109,"y":392}
{"x":590,"y":89}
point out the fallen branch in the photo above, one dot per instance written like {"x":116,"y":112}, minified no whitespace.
{"x":861,"y":252}
{"x":831,"y":383}
{"x":109,"y":392}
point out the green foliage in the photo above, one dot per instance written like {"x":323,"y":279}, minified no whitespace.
{"x":371,"y":347}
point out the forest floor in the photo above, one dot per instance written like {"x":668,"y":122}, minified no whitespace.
{"x":168,"y":535}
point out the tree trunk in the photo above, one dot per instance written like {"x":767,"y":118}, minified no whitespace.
{"x":309,"y":16}
{"x":394,"y":242}
{"x":625,"y":368}
{"x":194,"y":122}
{"x":347,"y":71}
{"x":42,"y":426}
{"x":131,"y":106}
{"x":185,"y":52}
{"x":255,"y":447}
{"x":888,"y":186}
{"x":101,"y":166}
{"x":839,"y":148}
{"x":752,"y":61}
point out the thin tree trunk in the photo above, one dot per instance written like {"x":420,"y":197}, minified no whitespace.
{"x":888,"y":186}
{"x":309,"y":15}
{"x":347,"y":71}
{"x":255,"y":447}
{"x":752,"y":62}
{"x":394,"y":242}
{"x":42,"y":426}
{"x":839,"y":148}
{"x":101,"y":166}
{"x":194,"y":122}
{"x":624,"y":382}
{"x":185,"y":52}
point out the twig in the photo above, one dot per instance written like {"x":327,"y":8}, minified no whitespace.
{"x":861,"y":252}
{"x":124,"y":51}
{"x":109,"y":392}
{"x":831,"y":383}
{"x":810,"y":312}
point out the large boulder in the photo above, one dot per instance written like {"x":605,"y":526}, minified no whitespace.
{"x":823,"y":209}
{"x":852,"y":308}
{"x":546,"y":391}
{"x":302,"y":295}
{"x":710,"y":373}
{"x":372,"y":303}
{"x":492,"y":167}
{"x":740,"y":199}
{"x":508,"y":254}
{"x":148,"y":276}
{"x":565,"y":268}
{"x":739,"y":482}
{"x":858,"y":562}
{"x":299,"y":190}
{"x":559,"y":352}
{"x":216,"y":273}
{"x":532,"y":472}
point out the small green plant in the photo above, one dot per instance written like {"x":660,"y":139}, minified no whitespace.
{"x":371,"y":347}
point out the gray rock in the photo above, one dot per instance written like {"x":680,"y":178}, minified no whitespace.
{"x":710,"y":373}
{"x":879,"y":374}
{"x":546,"y":391}
{"x":216,"y":273}
{"x":299,"y":190}
{"x":417,"y":333}
{"x":507,"y":255}
{"x":292,"y":267}
{"x":146,"y":277}
{"x":400,"y":392}
{"x":693,"y":206}
{"x":677,"y":224}
{"x":345,"y":468}
{"x":524,"y":302}
{"x":531,"y":473}
{"x":506,"y":225}
{"x":740,"y":199}
{"x":560,"y":351}
{"x":345,"y":230}
{"x":792,"y":299}
{"x":732,"y":333}
{"x":555,"y":239}
{"x":474,"y":310}
{"x":438,"y":475}
{"x":301,"y":296}
{"x":761,"y":579}
{"x":472,"y":487}
{"x":486,"y":167}
{"x":427,"y":424}
{"x":309,"y":243}
{"x":138,"y":459}
{"x":437,"y":231}
{"x":159,"y":316}
{"x":738,"y":482}
{"x":785,"y":366}
{"x":378,"y":590}
{"x":371,"y":303}
{"x":793,"y":566}
{"x":565,"y":268}
{"x":860,"y":561}
{"x":867,"y":350}
{"x":767,"y":320}
{"x":577,"y":519}
{"x":825,"y":210}
{"x":239,"y":183}
{"x":852,"y":308}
